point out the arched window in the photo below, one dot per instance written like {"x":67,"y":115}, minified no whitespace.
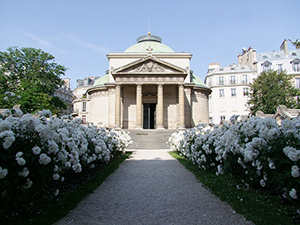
{"x":295,"y":65}
{"x":266,"y":65}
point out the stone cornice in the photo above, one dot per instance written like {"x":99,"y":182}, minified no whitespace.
{"x":142,"y":55}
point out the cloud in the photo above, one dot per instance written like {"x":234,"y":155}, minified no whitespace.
{"x":40,"y":41}
{"x":77,"y":40}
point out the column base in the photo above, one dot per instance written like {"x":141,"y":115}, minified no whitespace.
{"x":181,"y":128}
{"x":117,"y":128}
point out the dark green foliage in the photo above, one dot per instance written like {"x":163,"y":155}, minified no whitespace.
{"x":270,"y":90}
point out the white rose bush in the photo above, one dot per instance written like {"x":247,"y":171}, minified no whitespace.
{"x":36,"y":153}
{"x":257,"y":152}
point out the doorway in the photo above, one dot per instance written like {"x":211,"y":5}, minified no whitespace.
{"x":149,"y":116}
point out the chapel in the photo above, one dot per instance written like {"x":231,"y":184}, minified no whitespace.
{"x":148,"y":86}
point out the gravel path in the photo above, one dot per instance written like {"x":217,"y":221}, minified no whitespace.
{"x":152,"y":188}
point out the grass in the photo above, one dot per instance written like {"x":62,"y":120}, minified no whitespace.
{"x":254,"y":205}
{"x":61,"y":207}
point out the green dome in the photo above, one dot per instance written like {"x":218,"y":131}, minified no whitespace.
{"x":197,"y":81}
{"x":102,"y":80}
{"x":149,"y":43}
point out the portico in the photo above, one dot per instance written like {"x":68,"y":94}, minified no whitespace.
{"x":149,"y":77}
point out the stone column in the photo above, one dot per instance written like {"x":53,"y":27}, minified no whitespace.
{"x":160,"y":107}
{"x":181,"y":107}
{"x":118,"y":107}
{"x":139,"y":107}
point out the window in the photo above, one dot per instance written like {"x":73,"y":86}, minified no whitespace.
{"x":232,"y":68}
{"x":296,"y":67}
{"x":295,"y":64}
{"x":297,"y":82}
{"x":279,"y":67}
{"x":83,"y":119}
{"x":83,"y":106}
{"x":245,"y":91}
{"x":221,"y":69}
{"x":233,"y":92}
{"x":222,"y":118}
{"x":242,"y":68}
{"x":221,"y":80}
{"x":221,"y":93}
{"x":232,"y":79}
{"x":266,"y":68}
{"x":245,"y":79}
{"x":265,"y":57}
{"x":266,"y":65}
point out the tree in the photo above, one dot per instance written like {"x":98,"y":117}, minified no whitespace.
{"x":33,"y":75}
{"x":295,"y":43}
{"x":270,"y":90}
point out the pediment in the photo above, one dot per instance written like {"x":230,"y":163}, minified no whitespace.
{"x":149,"y":65}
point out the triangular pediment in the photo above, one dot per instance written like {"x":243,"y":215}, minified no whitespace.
{"x":149,"y":65}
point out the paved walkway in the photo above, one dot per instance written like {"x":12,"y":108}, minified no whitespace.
{"x":152,"y":188}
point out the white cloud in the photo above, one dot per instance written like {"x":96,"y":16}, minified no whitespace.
{"x":41,"y":41}
{"x":77,"y":40}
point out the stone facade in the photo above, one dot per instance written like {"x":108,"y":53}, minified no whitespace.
{"x":149,"y":88}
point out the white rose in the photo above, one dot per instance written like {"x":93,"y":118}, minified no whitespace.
{"x":21,"y":161}
{"x":19,"y":154}
{"x":295,"y":171}
{"x":36,"y":150}
{"x":293,"y":193}
{"x":3,"y":172}
{"x":24,"y":173}
{"x":262,"y":183}
{"x":44,"y":159}
{"x":55,"y":176}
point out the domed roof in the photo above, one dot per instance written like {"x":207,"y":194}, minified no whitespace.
{"x":102,"y":80}
{"x":149,"y":43}
{"x":197,"y":81}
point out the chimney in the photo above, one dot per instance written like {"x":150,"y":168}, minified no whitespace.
{"x":284,"y":47}
{"x":213,"y":65}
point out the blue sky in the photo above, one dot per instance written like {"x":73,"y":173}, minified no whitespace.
{"x":80,"y":33}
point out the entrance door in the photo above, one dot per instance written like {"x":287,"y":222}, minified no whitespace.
{"x":149,"y":116}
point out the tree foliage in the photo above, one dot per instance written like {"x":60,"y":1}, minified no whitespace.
{"x":295,"y":43}
{"x":270,"y":90}
{"x":33,"y":75}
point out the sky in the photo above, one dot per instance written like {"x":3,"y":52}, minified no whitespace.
{"x":80,"y":33}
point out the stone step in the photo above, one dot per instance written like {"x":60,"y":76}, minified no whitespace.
{"x":150,"y":139}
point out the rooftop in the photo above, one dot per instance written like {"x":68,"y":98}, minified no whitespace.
{"x":149,"y":43}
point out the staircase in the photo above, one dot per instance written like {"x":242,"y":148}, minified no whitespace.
{"x":150,"y":139}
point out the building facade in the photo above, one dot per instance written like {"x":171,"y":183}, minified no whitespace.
{"x":283,"y":60}
{"x":148,"y":86}
{"x":230,"y":85}
{"x":81,"y":102}
{"x":66,"y":95}
{"x":230,"y":88}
